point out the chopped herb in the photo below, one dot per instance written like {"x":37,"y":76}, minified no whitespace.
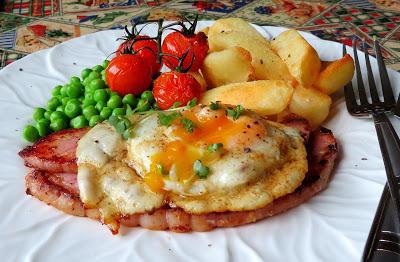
{"x":175,"y":105}
{"x":214,"y":147}
{"x":192,"y":103}
{"x":127,"y":133}
{"x":129,"y":110}
{"x":214,"y":105}
{"x":160,"y":169}
{"x":235,"y":112}
{"x":167,"y":119}
{"x":200,"y":170}
{"x":122,"y":125}
{"x":187,"y":124}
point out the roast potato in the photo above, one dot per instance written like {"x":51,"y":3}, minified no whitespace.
{"x":266,"y":97}
{"x":235,"y":24}
{"x":232,"y":65}
{"x":336,"y":75}
{"x":311,"y":104}
{"x":300,"y":57}
{"x":267,"y":64}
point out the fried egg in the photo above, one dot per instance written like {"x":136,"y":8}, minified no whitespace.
{"x":198,"y":159}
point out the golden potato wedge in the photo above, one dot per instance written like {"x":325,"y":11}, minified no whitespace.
{"x":311,"y":104}
{"x":200,"y":79}
{"x":300,"y":57}
{"x":235,"y":24}
{"x":232,"y":65}
{"x":266,"y":97}
{"x":267,"y":64}
{"x":336,"y":75}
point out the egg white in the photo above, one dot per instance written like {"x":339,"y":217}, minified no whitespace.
{"x":258,"y":165}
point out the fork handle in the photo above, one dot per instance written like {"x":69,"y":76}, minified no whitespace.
{"x":389,"y":143}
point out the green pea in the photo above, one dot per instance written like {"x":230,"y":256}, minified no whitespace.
{"x":85,"y":73}
{"x":57,"y":115}
{"x":53,"y":103}
{"x":75,"y":80}
{"x":30,"y":133}
{"x":100,"y":95}
{"x":58,"y":124}
{"x":72,"y":108}
{"x":98,"y":68}
{"x":130,"y":99}
{"x":94,"y":75}
{"x":105,"y":63}
{"x":44,"y":121}
{"x":75,"y":90}
{"x":47,"y":114}
{"x":143,"y":105}
{"x":114,"y":101}
{"x":63,"y":90}
{"x":65,"y":100}
{"x":79,"y":122}
{"x":38,"y":113}
{"x":148,"y":95}
{"x":100,"y":105}
{"x":106,"y":112}
{"x":96,"y":84}
{"x":88,"y":102}
{"x":104,"y":78}
{"x":86,"y":81}
{"x":43,"y":127}
{"x":94,"y":120}
{"x":60,"y":108}
{"x":89,"y":111}
{"x":118,"y":111}
{"x":56,"y":90}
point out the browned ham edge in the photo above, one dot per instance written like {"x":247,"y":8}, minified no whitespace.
{"x":55,"y":152}
{"x":60,"y":190}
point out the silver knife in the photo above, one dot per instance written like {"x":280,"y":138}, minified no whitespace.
{"x":383,"y":243}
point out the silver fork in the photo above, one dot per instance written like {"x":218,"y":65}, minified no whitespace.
{"x":389,"y":142}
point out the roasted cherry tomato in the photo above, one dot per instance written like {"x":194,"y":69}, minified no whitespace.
{"x":147,"y":49}
{"x":177,"y":43}
{"x":173,"y":87}
{"x":128,"y":74}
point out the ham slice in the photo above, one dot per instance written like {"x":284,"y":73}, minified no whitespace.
{"x":61,"y":191}
{"x":54,"y":153}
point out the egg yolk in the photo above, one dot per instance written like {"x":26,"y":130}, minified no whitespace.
{"x":178,"y":157}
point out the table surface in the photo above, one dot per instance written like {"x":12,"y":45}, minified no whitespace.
{"x":27,"y":26}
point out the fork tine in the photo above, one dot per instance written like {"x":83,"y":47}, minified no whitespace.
{"x":361,"y":90}
{"x":386,"y":87}
{"x":371,"y":81}
{"x":351,"y":102}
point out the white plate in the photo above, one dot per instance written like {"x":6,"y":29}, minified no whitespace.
{"x":333,"y":226}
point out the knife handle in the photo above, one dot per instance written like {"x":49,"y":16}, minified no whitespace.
{"x":383,"y":243}
{"x":389,"y":143}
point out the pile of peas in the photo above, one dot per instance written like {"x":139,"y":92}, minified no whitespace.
{"x":84,"y":102}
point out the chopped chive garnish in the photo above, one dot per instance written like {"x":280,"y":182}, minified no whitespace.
{"x":122,"y":125}
{"x":214,"y":105}
{"x":175,"y":105}
{"x":214,"y":147}
{"x":167,"y":119}
{"x":160,"y":169}
{"x":192,"y":103}
{"x":235,"y":112}
{"x":187,"y":124}
{"x":200,"y":170}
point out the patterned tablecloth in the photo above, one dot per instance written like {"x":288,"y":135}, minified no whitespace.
{"x":30,"y":25}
